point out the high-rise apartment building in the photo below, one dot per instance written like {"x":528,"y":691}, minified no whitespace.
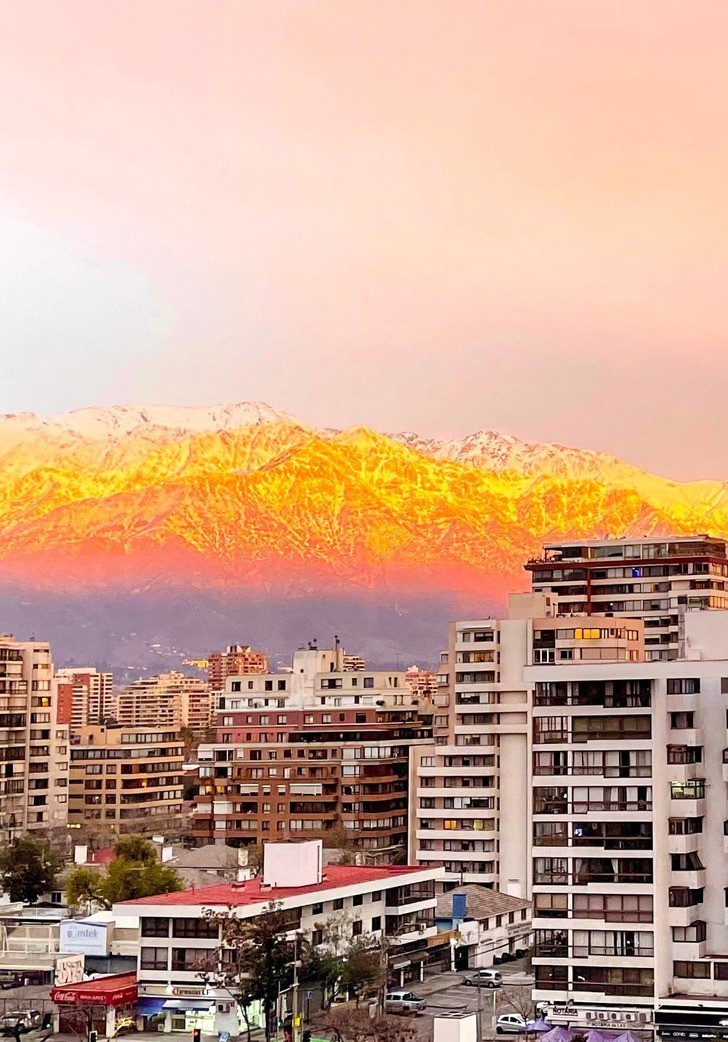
{"x":311,"y":751}
{"x":629,"y":817}
{"x":235,"y":660}
{"x":168,"y":700}
{"x":33,"y":742}
{"x":128,"y":779}
{"x":472,"y":790}
{"x":422,"y":683}
{"x":657,"y":580}
{"x":91,"y":694}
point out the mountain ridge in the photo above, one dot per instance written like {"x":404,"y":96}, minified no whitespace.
{"x":242,"y":504}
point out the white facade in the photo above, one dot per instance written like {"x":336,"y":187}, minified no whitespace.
{"x":318,"y":677}
{"x":176,"y":938}
{"x":472,"y":792}
{"x":629,"y":822}
{"x":33,"y":744}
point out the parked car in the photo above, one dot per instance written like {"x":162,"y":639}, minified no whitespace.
{"x":510,"y":1024}
{"x":403,"y":1002}
{"x":8,"y":980}
{"x":484,"y":979}
{"x":23,"y":1019}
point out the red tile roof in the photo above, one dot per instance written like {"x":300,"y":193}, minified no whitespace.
{"x":101,"y":857}
{"x":254,"y":892}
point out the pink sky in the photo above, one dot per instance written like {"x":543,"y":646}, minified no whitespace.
{"x":403,"y":213}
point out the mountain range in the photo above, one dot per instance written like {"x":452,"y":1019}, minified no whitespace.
{"x":249,"y":514}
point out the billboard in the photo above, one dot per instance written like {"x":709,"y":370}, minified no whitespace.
{"x":84,"y":938}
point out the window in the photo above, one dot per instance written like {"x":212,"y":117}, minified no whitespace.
{"x":683,"y":686}
{"x":376,"y":923}
{"x":691,"y":970}
{"x":358,"y":899}
{"x":614,"y":908}
{"x":318,"y":908}
{"x":368,"y":681}
{"x":551,"y":905}
{"x":688,"y":790}
{"x":338,"y":904}
{"x":190,"y":959}
{"x":686,"y":862}
{"x":682,"y":721}
{"x":155,"y":927}
{"x":201,"y":928}
{"x":154,"y":958}
{"x":356,"y":928}
{"x":693,"y":934}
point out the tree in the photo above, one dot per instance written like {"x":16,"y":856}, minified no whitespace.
{"x":83,"y":889}
{"x":28,"y":868}
{"x":341,"y":962}
{"x":190,"y":740}
{"x":126,"y":880}
{"x":136,"y":848}
{"x":519,"y":999}
{"x":254,"y":960}
{"x":363,"y":970}
{"x":134,"y":872}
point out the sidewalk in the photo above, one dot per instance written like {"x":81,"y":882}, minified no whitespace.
{"x":441,"y":982}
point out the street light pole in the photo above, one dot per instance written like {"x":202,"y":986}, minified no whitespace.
{"x":294,"y":1029}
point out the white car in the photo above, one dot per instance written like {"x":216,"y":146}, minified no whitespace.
{"x":484,"y":979}
{"x":510,"y":1024}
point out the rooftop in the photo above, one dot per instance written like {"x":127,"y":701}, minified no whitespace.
{"x":254,"y":891}
{"x":481,"y":903}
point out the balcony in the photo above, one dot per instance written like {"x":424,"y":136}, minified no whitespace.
{"x":694,"y":880}
{"x":686,"y":844}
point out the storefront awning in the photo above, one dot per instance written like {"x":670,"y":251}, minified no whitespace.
{"x":118,"y":989}
{"x":188,"y":1004}
{"x":149,"y":1007}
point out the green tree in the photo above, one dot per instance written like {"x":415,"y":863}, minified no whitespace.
{"x":363,"y":970}
{"x":134,"y":872}
{"x":28,"y":868}
{"x":126,"y":879}
{"x":254,"y":960}
{"x":136,"y":848}
{"x":83,"y":889}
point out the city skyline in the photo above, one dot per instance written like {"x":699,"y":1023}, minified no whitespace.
{"x":361,"y":215}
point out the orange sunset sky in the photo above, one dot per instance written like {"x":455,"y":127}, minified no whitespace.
{"x":404,"y":213}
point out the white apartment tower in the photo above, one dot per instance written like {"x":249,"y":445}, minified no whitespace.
{"x":657,"y":580}
{"x":629,"y":817}
{"x":472,"y":792}
{"x":33,"y":744}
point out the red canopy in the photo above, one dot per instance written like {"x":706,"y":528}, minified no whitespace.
{"x":118,"y":989}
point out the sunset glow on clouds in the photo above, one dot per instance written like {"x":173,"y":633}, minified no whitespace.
{"x":407,"y":214}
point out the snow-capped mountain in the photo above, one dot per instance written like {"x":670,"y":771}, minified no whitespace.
{"x":243,"y":504}
{"x":245,"y":494}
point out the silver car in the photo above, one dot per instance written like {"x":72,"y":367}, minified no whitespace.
{"x":403,"y":1002}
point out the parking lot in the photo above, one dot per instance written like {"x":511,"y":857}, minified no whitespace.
{"x":447,"y":992}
